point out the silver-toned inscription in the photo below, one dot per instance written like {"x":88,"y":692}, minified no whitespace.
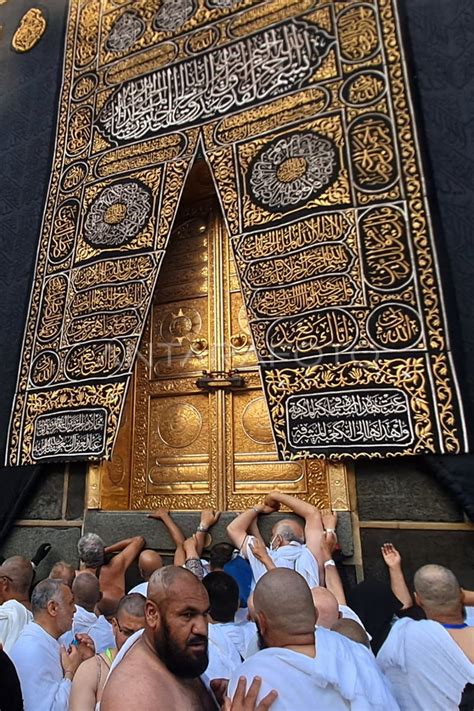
{"x":349,"y":418}
{"x":264,"y":65}
{"x":173,"y":14}
{"x":293,"y":169}
{"x":126,"y":31}
{"x":118,"y":214}
{"x":70,"y":433}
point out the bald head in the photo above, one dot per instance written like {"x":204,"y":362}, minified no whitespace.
{"x":63,"y":571}
{"x":284,"y":598}
{"x":18,"y":573}
{"x":352,"y":630}
{"x":437,"y":589}
{"x":289,"y":530}
{"x":168,"y":581}
{"x":326,"y":607}
{"x":148,"y":562}
{"x":86,"y":591}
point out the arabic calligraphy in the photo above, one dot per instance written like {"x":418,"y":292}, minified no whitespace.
{"x":330,"y":226}
{"x":394,"y":326}
{"x":225,"y":79}
{"x":313,"y":261}
{"x":373,"y":152}
{"x":72,"y":433}
{"x":351,"y":418}
{"x":118,"y":214}
{"x":358,"y":34}
{"x":125,"y":32}
{"x":324,"y":291}
{"x":292,"y":169}
{"x":322,"y":331}
{"x":385,"y":249}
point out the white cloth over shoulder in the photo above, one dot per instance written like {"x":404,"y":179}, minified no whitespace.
{"x":98,"y":628}
{"x":294,"y":556}
{"x":331,"y":681}
{"x":141,"y":588}
{"x":426,"y":667}
{"x":224,"y":658}
{"x":13,"y":617}
{"x":241,"y":634}
{"x":36,"y":656}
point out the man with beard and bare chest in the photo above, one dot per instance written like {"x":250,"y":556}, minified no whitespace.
{"x":162,"y":669}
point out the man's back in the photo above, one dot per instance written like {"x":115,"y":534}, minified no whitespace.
{"x":296,"y":678}
{"x":427,"y":668}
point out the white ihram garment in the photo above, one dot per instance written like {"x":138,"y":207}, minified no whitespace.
{"x":13,"y":617}
{"x":36,"y":656}
{"x":293,"y":555}
{"x":339,"y":677}
{"x":426,"y":667}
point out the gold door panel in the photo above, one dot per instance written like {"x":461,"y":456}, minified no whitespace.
{"x":184,"y":447}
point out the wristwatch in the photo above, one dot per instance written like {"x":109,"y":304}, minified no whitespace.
{"x":202,"y":529}
{"x":329,"y":562}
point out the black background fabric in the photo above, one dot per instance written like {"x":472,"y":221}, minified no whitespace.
{"x":29,"y":90}
{"x":440,"y":47}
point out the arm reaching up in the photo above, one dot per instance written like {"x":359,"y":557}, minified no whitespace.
{"x":240,"y":527}
{"x":209,"y":518}
{"x":313,"y":523}
{"x":393,"y":561}
{"x":174,"y":531}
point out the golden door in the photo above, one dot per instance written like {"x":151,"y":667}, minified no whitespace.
{"x":195,"y":434}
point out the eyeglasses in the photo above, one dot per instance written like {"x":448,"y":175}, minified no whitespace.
{"x":124,"y":630}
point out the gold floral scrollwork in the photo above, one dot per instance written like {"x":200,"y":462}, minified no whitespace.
{"x":30,"y":30}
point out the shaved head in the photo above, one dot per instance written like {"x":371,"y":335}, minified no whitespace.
{"x":352,"y":630}
{"x":166,"y":579}
{"x":148,"y":562}
{"x":86,"y":591}
{"x":133,"y":604}
{"x":63,"y":571}
{"x":19,"y":573}
{"x":326,"y":606}
{"x":289,"y":530}
{"x":438,"y":589}
{"x":284,"y":598}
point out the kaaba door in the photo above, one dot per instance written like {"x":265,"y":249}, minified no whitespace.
{"x":184,"y":447}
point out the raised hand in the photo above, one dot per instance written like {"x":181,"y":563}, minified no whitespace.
{"x":209,"y":517}
{"x":159,"y":514}
{"x":390,"y":555}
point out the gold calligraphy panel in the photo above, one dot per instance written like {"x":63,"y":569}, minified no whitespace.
{"x":303,"y":112}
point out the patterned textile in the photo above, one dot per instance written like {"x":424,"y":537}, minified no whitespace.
{"x":303,"y":113}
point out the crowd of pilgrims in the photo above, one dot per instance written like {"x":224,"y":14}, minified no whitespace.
{"x":256,"y":626}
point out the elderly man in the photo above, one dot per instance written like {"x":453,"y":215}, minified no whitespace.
{"x":111,"y":575}
{"x":430,"y":662}
{"x":307,"y":673}
{"x":291,"y":545}
{"x":167,"y":661}
{"x":16,"y":575}
{"x":89,"y":679}
{"x":44,"y":667}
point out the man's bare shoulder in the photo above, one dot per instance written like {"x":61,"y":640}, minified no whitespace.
{"x":140,"y":676}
